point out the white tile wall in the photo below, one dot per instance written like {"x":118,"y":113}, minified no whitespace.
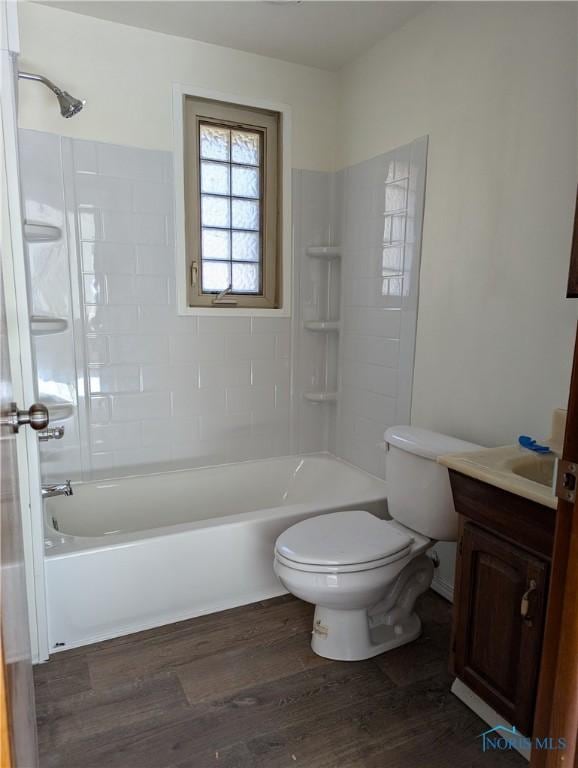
{"x":153,"y":390}
{"x":158,"y":391}
{"x":314,"y":211}
{"x":183,"y":387}
{"x":381,"y":215}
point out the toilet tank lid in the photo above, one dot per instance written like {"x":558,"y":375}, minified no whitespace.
{"x":423,"y":442}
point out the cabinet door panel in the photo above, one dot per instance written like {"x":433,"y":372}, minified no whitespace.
{"x":495,"y":627}
{"x":497,"y":650}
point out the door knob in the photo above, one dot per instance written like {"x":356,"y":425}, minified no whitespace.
{"x":37,"y":416}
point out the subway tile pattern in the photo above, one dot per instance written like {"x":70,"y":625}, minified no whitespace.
{"x":381,"y":219}
{"x":314,"y":217}
{"x":154,"y":390}
{"x":164,"y":391}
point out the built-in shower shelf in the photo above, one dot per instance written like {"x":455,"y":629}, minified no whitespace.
{"x":41,"y":233}
{"x":324,"y":251}
{"x":321,"y":397}
{"x":322,"y":325}
{"x":41,"y":325}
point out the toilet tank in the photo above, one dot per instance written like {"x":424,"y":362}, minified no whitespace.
{"x":418,"y":488}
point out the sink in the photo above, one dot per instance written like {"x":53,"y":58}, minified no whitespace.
{"x":539,"y":469}
{"x":510,"y":468}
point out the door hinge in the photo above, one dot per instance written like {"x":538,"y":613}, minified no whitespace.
{"x":566,"y":480}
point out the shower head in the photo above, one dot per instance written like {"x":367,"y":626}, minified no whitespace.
{"x":69,"y":106}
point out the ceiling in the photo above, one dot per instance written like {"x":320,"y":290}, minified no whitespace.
{"x":319,"y":34}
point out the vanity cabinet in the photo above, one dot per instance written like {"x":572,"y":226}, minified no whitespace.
{"x":502,"y":571}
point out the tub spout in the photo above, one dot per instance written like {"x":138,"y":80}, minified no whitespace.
{"x":57,"y":489}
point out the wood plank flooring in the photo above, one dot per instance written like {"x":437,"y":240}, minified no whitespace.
{"x":242,"y":689}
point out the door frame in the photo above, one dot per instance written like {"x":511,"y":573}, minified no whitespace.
{"x":557,"y":701}
{"x":20,"y":342}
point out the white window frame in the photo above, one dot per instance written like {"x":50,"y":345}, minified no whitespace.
{"x":285,"y":263}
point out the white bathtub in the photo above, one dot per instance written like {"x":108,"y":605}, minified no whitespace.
{"x":130,"y":554}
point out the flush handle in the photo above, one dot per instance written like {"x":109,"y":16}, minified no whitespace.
{"x":36,"y":416}
{"x":525,"y":604}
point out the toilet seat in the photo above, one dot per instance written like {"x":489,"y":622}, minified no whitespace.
{"x":342,"y":542}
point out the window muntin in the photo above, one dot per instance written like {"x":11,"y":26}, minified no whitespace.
{"x":231,"y":209}
{"x":232,"y":203}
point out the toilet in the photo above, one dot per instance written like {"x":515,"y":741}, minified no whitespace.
{"x":364,"y":574}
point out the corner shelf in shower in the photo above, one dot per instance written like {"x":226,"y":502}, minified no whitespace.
{"x":324,"y":251}
{"x":321,"y":397}
{"x":41,"y":233}
{"x":322,"y":325}
{"x":41,"y":325}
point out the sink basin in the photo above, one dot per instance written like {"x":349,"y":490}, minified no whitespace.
{"x":539,"y":469}
{"x":510,"y":468}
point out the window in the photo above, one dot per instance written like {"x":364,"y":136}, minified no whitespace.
{"x":232,"y":205}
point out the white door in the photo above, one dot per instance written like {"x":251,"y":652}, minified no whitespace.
{"x":16,"y":339}
{"x":18,"y":700}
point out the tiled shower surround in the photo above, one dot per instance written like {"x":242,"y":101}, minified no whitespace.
{"x":381,"y":224}
{"x":155,"y":391}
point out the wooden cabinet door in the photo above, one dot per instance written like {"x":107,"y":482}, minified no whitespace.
{"x":497,"y":649}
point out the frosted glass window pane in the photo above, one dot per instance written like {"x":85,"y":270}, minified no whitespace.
{"x":216,"y":275}
{"x":245,"y":147}
{"x":244,"y":181}
{"x":246,"y":246}
{"x":214,"y":211}
{"x":216,"y":244}
{"x":245,"y":214}
{"x":246,"y":278}
{"x":214,"y":142}
{"x":215,"y":178}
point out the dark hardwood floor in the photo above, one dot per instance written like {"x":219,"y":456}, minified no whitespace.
{"x":242,"y":689}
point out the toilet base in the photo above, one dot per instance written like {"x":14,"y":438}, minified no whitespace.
{"x":353,"y":635}
{"x":347,"y":635}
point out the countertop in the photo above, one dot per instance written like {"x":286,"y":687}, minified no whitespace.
{"x":499,"y":467}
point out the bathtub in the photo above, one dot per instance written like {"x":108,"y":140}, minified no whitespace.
{"x":138,"y":552}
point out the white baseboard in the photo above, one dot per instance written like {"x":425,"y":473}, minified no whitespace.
{"x":443,"y":588}
{"x":483,"y":710}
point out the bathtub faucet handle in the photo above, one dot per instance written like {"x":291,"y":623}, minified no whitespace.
{"x":57,"y":489}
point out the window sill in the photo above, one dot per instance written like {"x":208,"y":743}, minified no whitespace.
{"x":232,"y":312}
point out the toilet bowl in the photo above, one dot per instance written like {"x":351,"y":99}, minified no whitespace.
{"x":363,"y":573}
{"x":344,"y":583}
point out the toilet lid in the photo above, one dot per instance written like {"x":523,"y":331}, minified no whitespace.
{"x":342,"y":538}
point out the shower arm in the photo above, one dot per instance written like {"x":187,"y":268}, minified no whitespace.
{"x":69,"y":105}
{"x":40,"y":79}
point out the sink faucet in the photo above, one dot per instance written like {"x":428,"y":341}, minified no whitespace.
{"x":57,"y":489}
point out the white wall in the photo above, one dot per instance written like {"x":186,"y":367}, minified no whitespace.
{"x":125,"y":74}
{"x":494,"y":86}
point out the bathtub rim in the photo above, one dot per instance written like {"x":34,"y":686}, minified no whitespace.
{"x":61,"y":544}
